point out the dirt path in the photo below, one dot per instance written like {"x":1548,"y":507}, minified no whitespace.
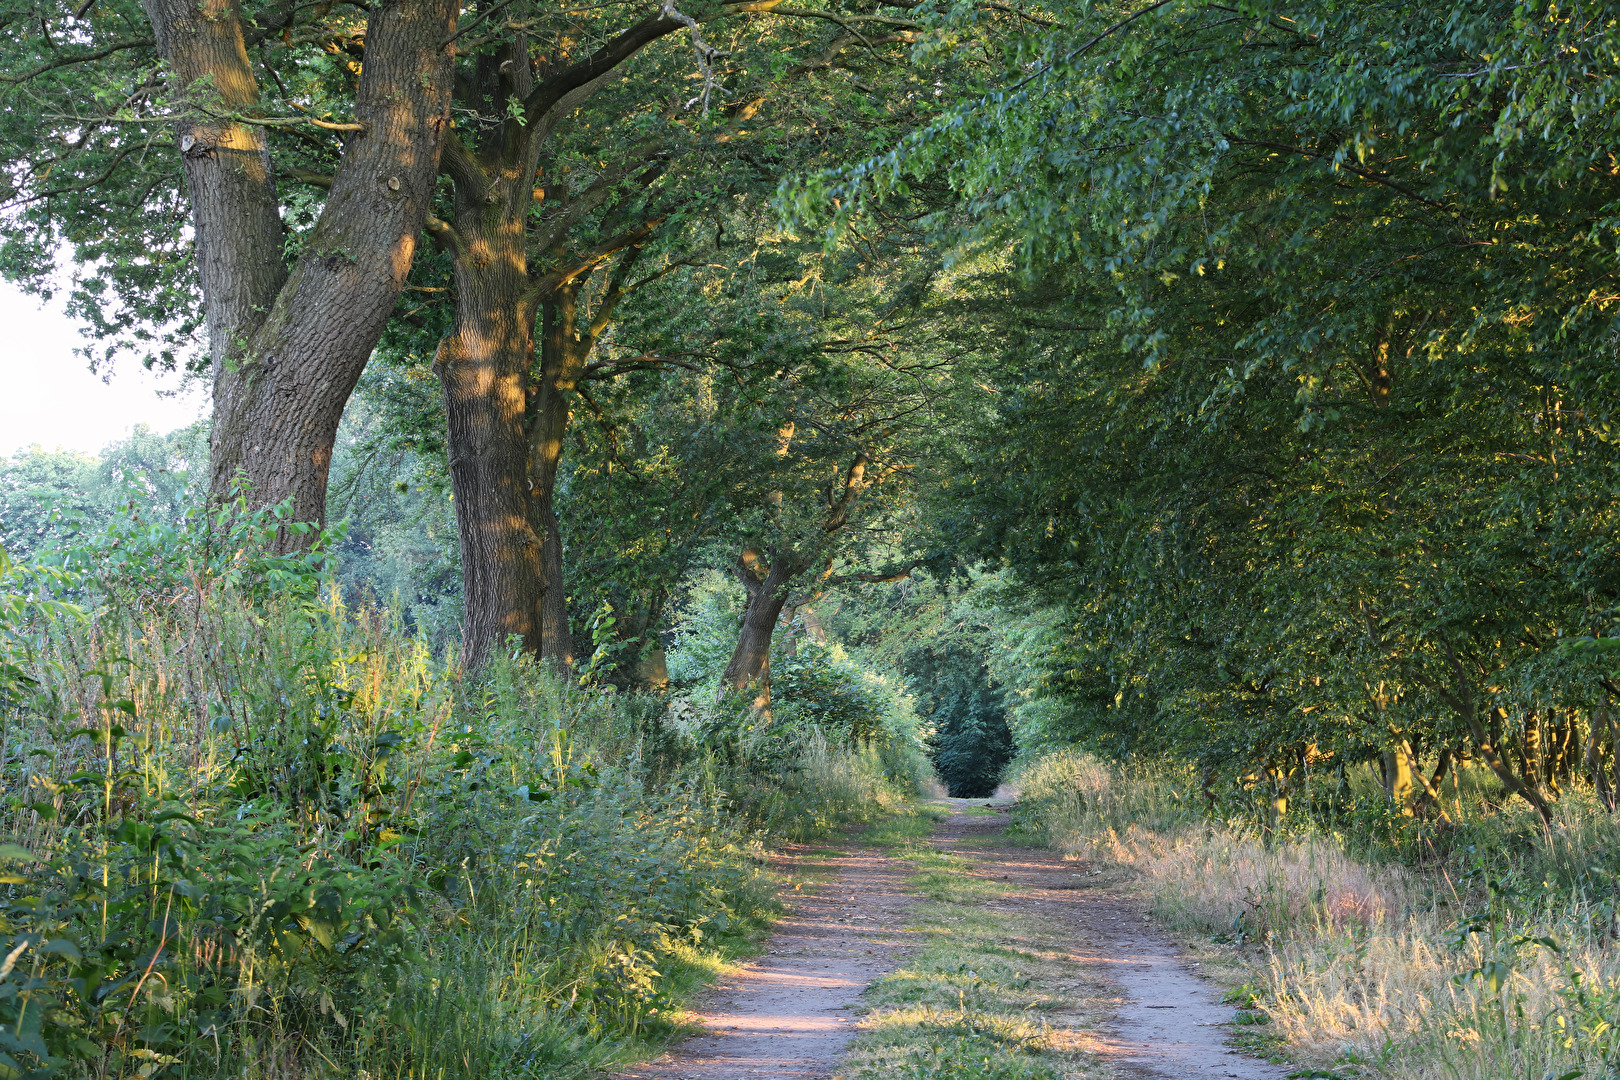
{"x":790,"y":1012}
{"x":1169,"y":1023}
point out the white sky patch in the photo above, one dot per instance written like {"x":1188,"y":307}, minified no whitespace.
{"x":48,"y":395}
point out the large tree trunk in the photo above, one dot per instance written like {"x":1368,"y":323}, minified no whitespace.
{"x":504,"y":435}
{"x":483,"y":366}
{"x":287,"y":348}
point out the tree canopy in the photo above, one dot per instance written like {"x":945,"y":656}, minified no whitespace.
{"x":1233,"y":383}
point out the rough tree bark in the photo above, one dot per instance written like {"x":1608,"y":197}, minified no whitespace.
{"x":505,"y":434}
{"x":288,"y":343}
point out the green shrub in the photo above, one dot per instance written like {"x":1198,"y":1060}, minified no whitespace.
{"x":253,"y":832}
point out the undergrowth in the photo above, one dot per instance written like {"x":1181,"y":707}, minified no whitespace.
{"x":1485,"y":951}
{"x":251,"y":832}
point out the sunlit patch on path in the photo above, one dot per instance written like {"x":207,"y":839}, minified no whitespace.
{"x":791,"y":1012}
{"x":1168,"y":1022}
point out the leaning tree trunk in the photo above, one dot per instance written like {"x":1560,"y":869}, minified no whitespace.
{"x":751,"y":659}
{"x":288,"y":347}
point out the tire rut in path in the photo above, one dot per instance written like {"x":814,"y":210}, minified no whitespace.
{"x":790,"y":1011}
{"x":1170,"y":1023}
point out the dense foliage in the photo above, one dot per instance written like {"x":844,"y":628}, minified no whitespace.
{"x":254,"y":828}
{"x":1296,"y":326}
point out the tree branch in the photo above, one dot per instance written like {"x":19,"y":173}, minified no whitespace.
{"x":606,"y":369}
{"x":838,"y":512}
{"x":308,"y":176}
{"x":80,"y":58}
{"x":445,"y":236}
{"x":594,"y":195}
{"x":877,"y":579}
{"x":592,"y":258}
{"x":1365,"y":174}
{"x":463,"y":169}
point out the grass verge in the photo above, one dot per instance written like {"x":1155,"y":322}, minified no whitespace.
{"x":1490,"y":957}
{"x":991,"y":994}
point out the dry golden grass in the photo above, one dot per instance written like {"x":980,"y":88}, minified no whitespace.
{"x":1372,"y":970}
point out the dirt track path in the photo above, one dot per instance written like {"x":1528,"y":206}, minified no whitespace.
{"x":791,"y":1012}
{"x":1170,"y":1023}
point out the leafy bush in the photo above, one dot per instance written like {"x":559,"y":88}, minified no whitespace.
{"x":253,"y":832}
{"x":820,"y":686}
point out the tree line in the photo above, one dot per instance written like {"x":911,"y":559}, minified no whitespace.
{"x":1263,"y":352}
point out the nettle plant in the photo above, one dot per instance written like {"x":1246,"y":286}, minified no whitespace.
{"x":199,"y":809}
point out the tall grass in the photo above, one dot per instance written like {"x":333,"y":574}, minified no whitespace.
{"x":250,"y":832}
{"x":1493,"y":958}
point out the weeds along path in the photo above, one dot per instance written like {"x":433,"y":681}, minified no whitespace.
{"x":790,"y":1012}
{"x":1168,"y":1023}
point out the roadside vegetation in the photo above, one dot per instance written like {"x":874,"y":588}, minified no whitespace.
{"x":1362,"y":943}
{"x":255,"y":832}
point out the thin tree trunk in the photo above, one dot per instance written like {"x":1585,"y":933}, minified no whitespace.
{"x":1596,"y":731}
{"x":1485,"y":731}
{"x":1564,"y":742}
{"x":563,"y":357}
{"x":1398,"y":784}
{"x":750,"y":663}
{"x":1431,"y":785}
{"x":1523,"y":784}
{"x":649,"y":670}
{"x":1612,"y":726}
{"x":1532,"y":753}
